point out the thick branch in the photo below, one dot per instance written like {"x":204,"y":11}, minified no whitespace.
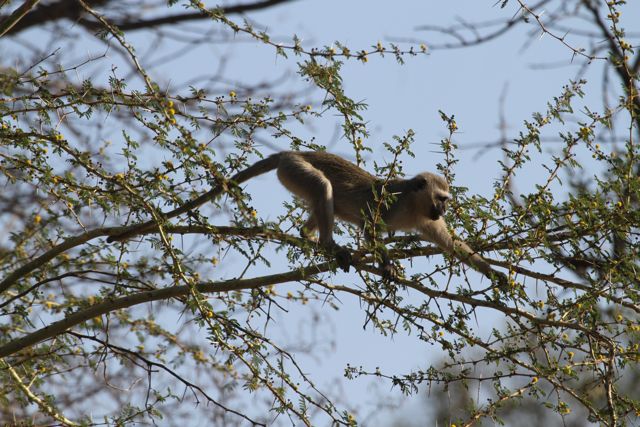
{"x":68,"y":9}
{"x":16,"y":16}
{"x":108,"y":306}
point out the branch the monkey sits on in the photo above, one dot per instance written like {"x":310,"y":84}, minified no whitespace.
{"x":333,"y":187}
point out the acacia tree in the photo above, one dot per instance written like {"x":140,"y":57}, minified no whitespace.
{"x":120,"y":157}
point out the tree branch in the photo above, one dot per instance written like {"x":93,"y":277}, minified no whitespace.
{"x":16,"y":16}
{"x":68,"y":9}
{"x":76,"y":318}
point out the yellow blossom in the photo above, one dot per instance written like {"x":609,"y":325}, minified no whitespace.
{"x":584,"y":133}
{"x":564,"y":409}
{"x":232,"y":94}
{"x":37,"y":219}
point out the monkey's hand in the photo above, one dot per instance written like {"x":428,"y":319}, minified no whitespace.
{"x":343,"y":258}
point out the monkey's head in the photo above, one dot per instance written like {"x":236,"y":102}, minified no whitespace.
{"x":433,"y":193}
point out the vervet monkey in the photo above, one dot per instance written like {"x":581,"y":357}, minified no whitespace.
{"x":334,"y":187}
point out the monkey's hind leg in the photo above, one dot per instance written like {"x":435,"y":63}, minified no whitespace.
{"x":310,"y":184}
{"x":309,"y":228}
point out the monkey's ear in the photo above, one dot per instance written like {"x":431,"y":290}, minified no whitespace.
{"x":418,"y":183}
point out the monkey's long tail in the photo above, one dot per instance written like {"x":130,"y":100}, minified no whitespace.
{"x":258,"y":168}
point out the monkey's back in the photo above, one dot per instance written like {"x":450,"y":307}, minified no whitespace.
{"x":351,"y":185}
{"x":343,"y":174}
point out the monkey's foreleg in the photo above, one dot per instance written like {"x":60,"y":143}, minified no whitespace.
{"x":437,"y":233}
{"x":464,"y":253}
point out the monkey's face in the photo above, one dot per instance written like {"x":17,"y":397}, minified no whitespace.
{"x":435,"y":194}
{"x":439,"y":203}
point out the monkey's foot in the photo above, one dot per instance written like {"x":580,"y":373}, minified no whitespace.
{"x":343,"y":258}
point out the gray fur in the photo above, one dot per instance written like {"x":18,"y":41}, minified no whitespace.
{"x":334,"y":187}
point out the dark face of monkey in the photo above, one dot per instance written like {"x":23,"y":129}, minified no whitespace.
{"x":439,"y":204}
{"x":435,"y":193}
